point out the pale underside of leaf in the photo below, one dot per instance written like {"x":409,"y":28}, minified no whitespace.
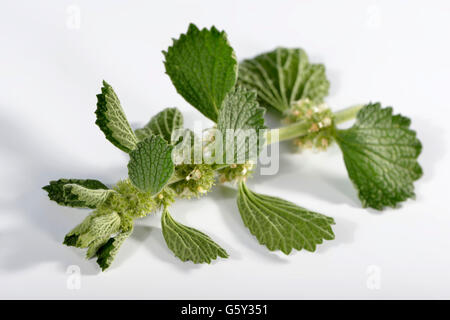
{"x":162,"y":124}
{"x":107,"y":252}
{"x":203,"y":68}
{"x":90,"y":197}
{"x":151,"y":166}
{"x":281,"y":225}
{"x":188,"y":243}
{"x":56,"y":192}
{"x":112,"y":120}
{"x":93,"y":229}
{"x":380,"y":154}
{"x":284,"y":76}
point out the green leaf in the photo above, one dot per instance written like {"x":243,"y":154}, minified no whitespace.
{"x":151,"y":166}
{"x":107,"y":252}
{"x":57,"y":193}
{"x":112,"y":120}
{"x":162,"y":124}
{"x":90,"y":198}
{"x":281,"y":225}
{"x":94,"y":227}
{"x":188,"y":243}
{"x":203,"y":68}
{"x":284,"y":76}
{"x":380,"y":153}
{"x":95,"y":245}
{"x":240,"y":112}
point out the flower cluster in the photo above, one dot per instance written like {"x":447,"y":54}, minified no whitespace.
{"x":319,"y":119}
{"x":236,"y":172}
{"x":198,"y":180}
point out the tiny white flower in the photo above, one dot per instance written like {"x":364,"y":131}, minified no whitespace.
{"x":327,"y":121}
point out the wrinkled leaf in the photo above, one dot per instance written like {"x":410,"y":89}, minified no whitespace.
{"x":151,"y":166}
{"x":56,"y":192}
{"x":107,"y":252}
{"x":162,"y":124}
{"x":281,"y":225}
{"x":203,"y":68}
{"x":241,"y":113}
{"x":85,"y":197}
{"x":93,"y":228}
{"x":112,"y":120}
{"x":380,"y":153}
{"x":188,"y":243}
{"x":283,"y":76}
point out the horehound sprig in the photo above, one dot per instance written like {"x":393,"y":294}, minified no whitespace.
{"x":380,"y":151}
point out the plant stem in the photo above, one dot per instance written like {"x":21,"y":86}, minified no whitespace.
{"x":301,"y":128}
{"x":291,"y":131}
{"x":294,"y":130}
{"x":347,"y":113}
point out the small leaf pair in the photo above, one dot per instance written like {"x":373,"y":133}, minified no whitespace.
{"x":98,"y":229}
{"x":150,"y":165}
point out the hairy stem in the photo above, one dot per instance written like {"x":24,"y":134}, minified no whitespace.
{"x":291,"y":131}
{"x":301,"y":128}
{"x":347,"y":113}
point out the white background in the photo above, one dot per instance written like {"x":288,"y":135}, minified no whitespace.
{"x":396,"y":52}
